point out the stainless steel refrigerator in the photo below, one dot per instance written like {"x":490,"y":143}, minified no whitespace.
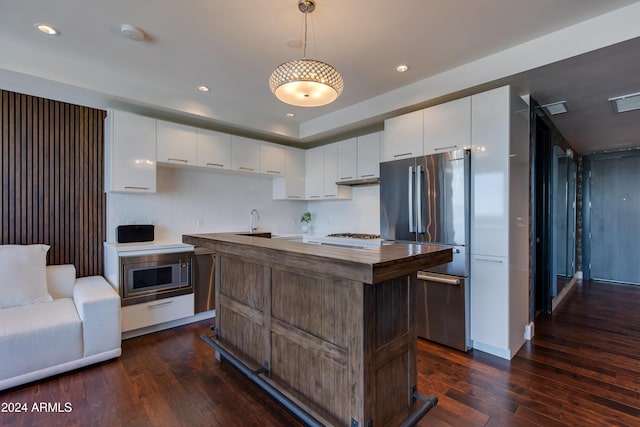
{"x":426,"y":200}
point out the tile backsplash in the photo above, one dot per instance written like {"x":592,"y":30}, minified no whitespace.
{"x":195,"y":201}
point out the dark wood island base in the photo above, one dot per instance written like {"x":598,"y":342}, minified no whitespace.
{"x":330,"y":328}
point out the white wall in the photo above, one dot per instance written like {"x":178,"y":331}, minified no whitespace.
{"x":197,"y":201}
{"x":361,"y":214}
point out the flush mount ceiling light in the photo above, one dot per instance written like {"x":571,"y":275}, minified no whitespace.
{"x":47,"y":29}
{"x":131,"y":32}
{"x":203,"y":88}
{"x":626,"y":102}
{"x":556,"y":107}
{"x":402,"y":68}
{"x":306,"y":82}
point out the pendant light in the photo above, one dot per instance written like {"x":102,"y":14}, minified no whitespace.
{"x":306,"y":82}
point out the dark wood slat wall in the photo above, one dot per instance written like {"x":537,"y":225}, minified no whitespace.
{"x":52,"y":179}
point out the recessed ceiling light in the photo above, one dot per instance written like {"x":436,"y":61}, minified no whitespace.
{"x":203,"y":88}
{"x":290,"y":115}
{"x":626,"y":102}
{"x":402,"y":68}
{"x":47,"y":29}
{"x":556,"y":107}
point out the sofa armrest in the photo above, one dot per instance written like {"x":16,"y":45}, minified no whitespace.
{"x":98,"y":305}
{"x":60,"y":280}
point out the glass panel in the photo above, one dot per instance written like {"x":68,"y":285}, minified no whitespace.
{"x":571,"y":218}
{"x":152,"y":277}
{"x":559,"y":222}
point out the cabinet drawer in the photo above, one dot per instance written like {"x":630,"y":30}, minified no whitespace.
{"x":155,"y":312}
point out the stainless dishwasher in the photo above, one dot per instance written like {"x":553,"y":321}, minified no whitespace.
{"x":442,"y":309}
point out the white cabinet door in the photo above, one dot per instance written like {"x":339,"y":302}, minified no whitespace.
{"x":369,"y":156}
{"x":490,"y":302}
{"x":330,"y":171}
{"x":490,"y":173}
{"x":245,"y":154}
{"x":213,"y":149}
{"x":347,"y":159}
{"x":176,"y":143}
{"x":271,"y":159}
{"x":291,"y":186}
{"x":403,"y":136}
{"x":315,"y":167}
{"x":447,"y":126}
{"x":130,"y":153}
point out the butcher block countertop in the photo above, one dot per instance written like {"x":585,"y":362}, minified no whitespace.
{"x":367,"y":265}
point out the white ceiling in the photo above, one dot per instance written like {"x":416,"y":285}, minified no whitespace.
{"x":581,"y":51}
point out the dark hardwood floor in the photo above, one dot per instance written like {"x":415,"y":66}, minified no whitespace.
{"x":581,"y":369}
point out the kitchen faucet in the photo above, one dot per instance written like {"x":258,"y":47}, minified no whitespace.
{"x":253,"y":215}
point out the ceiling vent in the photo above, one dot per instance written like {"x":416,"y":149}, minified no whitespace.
{"x":626,"y":103}
{"x":556,"y":108}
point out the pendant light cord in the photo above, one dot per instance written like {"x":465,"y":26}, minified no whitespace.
{"x":306,"y":12}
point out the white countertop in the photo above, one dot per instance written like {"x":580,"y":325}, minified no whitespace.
{"x":156,"y":246}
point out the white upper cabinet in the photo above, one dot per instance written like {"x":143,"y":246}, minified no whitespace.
{"x":447,"y":126}
{"x":330,"y":172}
{"x":369,"y":156}
{"x":322,"y":174}
{"x":245,"y":154}
{"x":130,"y":153}
{"x":490,"y":173}
{"x":291,"y":186}
{"x":213,"y":149}
{"x":403,"y":136}
{"x":176,"y":143}
{"x":347,"y":157}
{"x":271,"y":159}
{"x":314,"y":172}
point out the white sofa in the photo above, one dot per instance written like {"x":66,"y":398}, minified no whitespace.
{"x":77,"y":326}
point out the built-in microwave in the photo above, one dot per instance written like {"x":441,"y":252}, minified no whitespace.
{"x":155,"y":276}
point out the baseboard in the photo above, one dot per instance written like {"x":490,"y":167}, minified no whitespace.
{"x":565,"y":291}
{"x":168,"y":325}
{"x":495,"y":351}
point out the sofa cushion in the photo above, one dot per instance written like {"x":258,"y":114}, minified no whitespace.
{"x":60,"y":280}
{"x":37,"y":336}
{"x":23,"y":278}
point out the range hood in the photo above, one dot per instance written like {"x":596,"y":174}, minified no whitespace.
{"x":360,"y":181}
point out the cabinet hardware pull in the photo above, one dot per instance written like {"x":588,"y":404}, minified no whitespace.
{"x":293,"y":197}
{"x":242,"y":168}
{"x":329,"y":195}
{"x":220,"y":165}
{"x":131,"y":187}
{"x":445,"y":148}
{"x":314,"y":197}
{"x":346,"y":177}
{"x":403,"y":154}
{"x":499,"y":261}
{"x":274,"y":172}
{"x":171,"y":159}
{"x":367,"y":175}
{"x":159,"y":304}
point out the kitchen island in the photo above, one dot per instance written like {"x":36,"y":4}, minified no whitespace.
{"x":331,"y":329}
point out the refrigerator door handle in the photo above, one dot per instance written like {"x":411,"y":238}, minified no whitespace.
{"x":418,"y":201}
{"x":448,"y":280}
{"x":412,"y":226}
